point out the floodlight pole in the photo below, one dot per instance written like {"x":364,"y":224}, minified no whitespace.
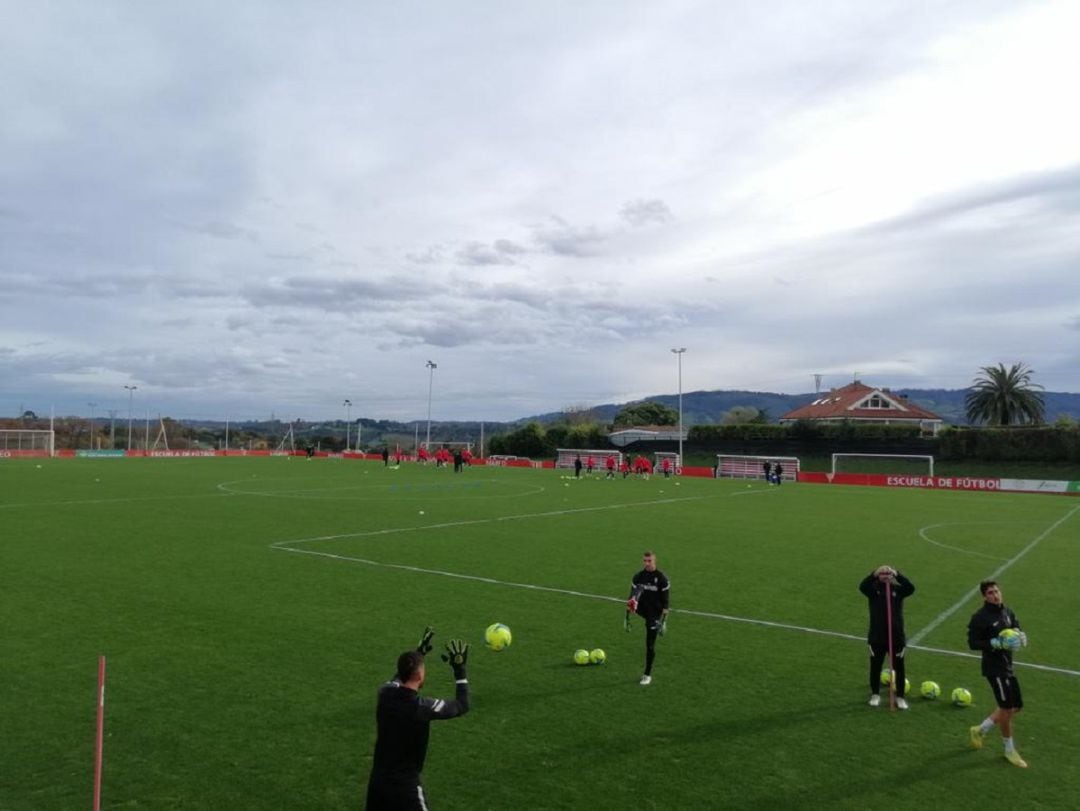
{"x":679,"y":353}
{"x":131,"y":394}
{"x":432,"y":366}
{"x":348,"y":416}
{"x":92,"y":407}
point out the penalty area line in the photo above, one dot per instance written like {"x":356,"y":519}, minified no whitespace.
{"x":948,"y":612}
{"x":606,"y":598}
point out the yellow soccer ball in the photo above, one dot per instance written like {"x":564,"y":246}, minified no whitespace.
{"x":498,"y":636}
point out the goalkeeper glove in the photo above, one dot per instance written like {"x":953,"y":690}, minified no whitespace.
{"x":996,"y":643}
{"x":423,"y":647}
{"x":1023,"y":639}
{"x":457,"y":653}
{"x":661,"y":625}
{"x":1013,"y":642}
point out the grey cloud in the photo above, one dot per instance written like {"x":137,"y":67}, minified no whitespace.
{"x":428,"y":256}
{"x":645,"y":212}
{"x":477,"y":253}
{"x":339,"y":295}
{"x":566,"y":240}
{"x":222,"y":230}
{"x":1058,"y":191}
{"x":508,"y":247}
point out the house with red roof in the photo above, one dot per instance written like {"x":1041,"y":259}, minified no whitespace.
{"x":857,"y":402}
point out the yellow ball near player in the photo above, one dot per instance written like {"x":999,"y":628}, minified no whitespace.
{"x":581,"y":657}
{"x":961,"y":697}
{"x":597,"y":656}
{"x":498,"y":636}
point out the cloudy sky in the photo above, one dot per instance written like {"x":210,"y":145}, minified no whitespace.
{"x":256,"y":208}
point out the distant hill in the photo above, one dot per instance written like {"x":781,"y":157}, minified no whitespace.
{"x":709,"y":407}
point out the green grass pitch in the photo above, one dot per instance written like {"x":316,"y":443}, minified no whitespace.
{"x":250,"y":608}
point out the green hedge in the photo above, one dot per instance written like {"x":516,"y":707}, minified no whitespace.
{"x":1043,"y":444}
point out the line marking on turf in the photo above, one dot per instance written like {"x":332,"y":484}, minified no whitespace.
{"x":286,"y":546}
{"x":944,"y":615}
{"x":607,"y":598}
{"x":928,"y":539}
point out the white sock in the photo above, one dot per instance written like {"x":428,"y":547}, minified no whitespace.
{"x":986,"y":726}
{"x":1009,"y":746}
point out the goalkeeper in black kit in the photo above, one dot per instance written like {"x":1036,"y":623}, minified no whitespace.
{"x":995,"y":630}
{"x":650,"y":593}
{"x":403,"y":718}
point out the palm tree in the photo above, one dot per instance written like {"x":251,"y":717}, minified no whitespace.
{"x":1000,"y":396}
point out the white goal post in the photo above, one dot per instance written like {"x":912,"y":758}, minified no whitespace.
{"x":730,"y":466}
{"x":27,"y":442}
{"x":566,"y":456}
{"x":914,"y":462}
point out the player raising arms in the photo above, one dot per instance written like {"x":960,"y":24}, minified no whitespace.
{"x":650,"y":593}
{"x":403,"y":719}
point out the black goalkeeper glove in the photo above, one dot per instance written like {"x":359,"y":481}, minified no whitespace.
{"x":457,"y":654}
{"x":423,"y":647}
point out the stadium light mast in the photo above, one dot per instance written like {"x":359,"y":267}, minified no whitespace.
{"x":679,"y":353}
{"x":348,"y":416}
{"x":92,"y":407}
{"x":131,"y":394}
{"x":432,"y":366}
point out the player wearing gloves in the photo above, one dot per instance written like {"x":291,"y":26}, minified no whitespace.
{"x":402,"y":721}
{"x":873,"y":586}
{"x":650,"y":592}
{"x":995,"y":631}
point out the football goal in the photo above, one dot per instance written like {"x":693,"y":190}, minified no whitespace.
{"x":566,"y":457}
{"x":914,"y":464}
{"x":753,"y":467}
{"x":27,"y":442}
{"x":673,"y":460}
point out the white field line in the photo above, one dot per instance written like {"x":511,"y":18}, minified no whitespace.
{"x":288,"y":546}
{"x":607,"y":598}
{"x":474,"y":522}
{"x":944,"y":615}
{"x":120,"y":500}
{"x":928,"y":539}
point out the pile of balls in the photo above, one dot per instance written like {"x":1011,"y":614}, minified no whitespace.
{"x":596,"y":656}
{"x":931,"y":690}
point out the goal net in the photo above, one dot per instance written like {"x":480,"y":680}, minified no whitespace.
{"x":27,"y":442}
{"x":673,"y":459}
{"x":753,"y":467}
{"x":914,"y":464}
{"x":567,"y":456}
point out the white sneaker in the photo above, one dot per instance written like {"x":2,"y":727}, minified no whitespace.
{"x":875,"y":700}
{"x":645,"y":680}
{"x":901,"y":704}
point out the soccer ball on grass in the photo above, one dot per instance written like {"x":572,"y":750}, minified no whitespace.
{"x":498,"y":636}
{"x":930,"y":689}
{"x":961,"y":697}
{"x":597,"y":656}
{"x":581,"y":657}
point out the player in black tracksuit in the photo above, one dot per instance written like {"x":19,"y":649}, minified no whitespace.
{"x":900,"y":588}
{"x":650,"y":593}
{"x":403,"y":718}
{"x":984,"y":631}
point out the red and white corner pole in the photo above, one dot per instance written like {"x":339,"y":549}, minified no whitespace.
{"x":99,"y":739}
{"x":892,"y":657}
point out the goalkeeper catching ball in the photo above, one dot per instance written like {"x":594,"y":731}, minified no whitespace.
{"x":650,"y":592}
{"x":403,"y":719}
